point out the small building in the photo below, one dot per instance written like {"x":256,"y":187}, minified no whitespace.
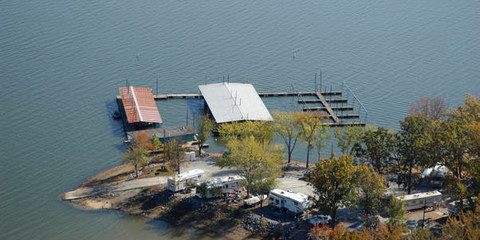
{"x":221,"y":186}
{"x":293,"y":202}
{"x":231,"y":102}
{"x":181,"y":181}
{"x":180,"y":133}
{"x":420,"y":200}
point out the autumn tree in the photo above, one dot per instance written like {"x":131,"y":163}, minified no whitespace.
{"x":205,"y":127}
{"x":334,"y":183}
{"x":135,"y":156}
{"x":256,"y":162}
{"x":467,"y":226}
{"x":396,"y":213}
{"x":349,"y":138}
{"x":372,"y":188}
{"x":142,"y":140}
{"x":309,"y":123}
{"x":377,"y":147}
{"x":432,"y":108}
{"x":285,"y":126}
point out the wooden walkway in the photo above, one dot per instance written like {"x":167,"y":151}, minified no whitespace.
{"x":264,"y":94}
{"x":327,"y":107}
{"x":338,"y":108}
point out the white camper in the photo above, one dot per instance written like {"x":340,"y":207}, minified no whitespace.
{"x":420,"y":200}
{"x":294,"y":202}
{"x":180,"y":181}
{"x":229,"y":184}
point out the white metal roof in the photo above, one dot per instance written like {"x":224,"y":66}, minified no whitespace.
{"x":301,"y":198}
{"x":420,"y":195}
{"x":189,"y":174}
{"x":223,"y":180}
{"x":231,"y":102}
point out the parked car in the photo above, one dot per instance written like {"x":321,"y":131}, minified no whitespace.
{"x":320,"y":220}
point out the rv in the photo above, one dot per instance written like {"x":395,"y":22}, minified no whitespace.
{"x":420,"y":200}
{"x":434,"y":176}
{"x":230,"y":184}
{"x":180,"y":182}
{"x":293,"y":202}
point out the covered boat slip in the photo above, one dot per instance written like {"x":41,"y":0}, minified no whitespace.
{"x":139,"y":105}
{"x":230,"y":102}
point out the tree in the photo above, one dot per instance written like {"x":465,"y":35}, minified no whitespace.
{"x":455,"y":144}
{"x":157,"y":145}
{"x":372,"y":187}
{"x":320,"y":137}
{"x":348,"y":138}
{"x":174,"y":154}
{"x":377,"y":147}
{"x":135,"y":156}
{"x":285,"y":126}
{"x":309,"y":123}
{"x":205,"y":127}
{"x":411,"y":146}
{"x":432,"y":108}
{"x":142,"y":140}
{"x":261,"y":130}
{"x":257,"y":163}
{"x":396,"y":212}
{"x":467,"y":226}
{"x":334,"y":182}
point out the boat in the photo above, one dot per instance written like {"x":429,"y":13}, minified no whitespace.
{"x":116,"y":115}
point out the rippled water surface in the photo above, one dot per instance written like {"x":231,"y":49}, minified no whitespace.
{"x":62,"y":62}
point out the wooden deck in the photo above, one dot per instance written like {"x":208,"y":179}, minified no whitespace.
{"x":264,"y":94}
{"x":337,"y":108}
{"x":327,"y":107}
{"x":333,"y":100}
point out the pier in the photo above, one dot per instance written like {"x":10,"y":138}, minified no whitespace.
{"x":319,"y":99}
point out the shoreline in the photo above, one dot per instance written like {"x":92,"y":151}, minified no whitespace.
{"x":156,"y":202}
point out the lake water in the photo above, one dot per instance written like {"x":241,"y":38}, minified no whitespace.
{"x":62,"y":62}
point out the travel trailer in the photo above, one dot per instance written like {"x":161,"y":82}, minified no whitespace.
{"x":293,"y":202}
{"x":420,"y":200}
{"x":434,"y":176}
{"x":180,"y":181}
{"x":230,"y":184}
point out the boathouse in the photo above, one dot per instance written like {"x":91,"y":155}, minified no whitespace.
{"x":231,"y":102}
{"x":180,"y":133}
{"x":139,"y":107}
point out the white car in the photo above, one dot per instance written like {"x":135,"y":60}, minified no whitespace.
{"x":320,"y":220}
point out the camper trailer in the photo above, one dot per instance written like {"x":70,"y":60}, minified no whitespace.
{"x":293,"y":202}
{"x":420,"y":200}
{"x":179,"y":182}
{"x":230,"y":184}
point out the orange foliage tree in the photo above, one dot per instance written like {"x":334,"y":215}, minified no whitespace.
{"x":432,"y":108}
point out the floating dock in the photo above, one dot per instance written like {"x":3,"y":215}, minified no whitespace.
{"x":319,"y":98}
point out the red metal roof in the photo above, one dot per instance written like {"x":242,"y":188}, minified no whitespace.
{"x":139,"y":105}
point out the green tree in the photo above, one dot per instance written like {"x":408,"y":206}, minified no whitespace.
{"x":455,"y":144}
{"x":334,"y":182}
{"x":205,"y":127}
{"x":309,"y":123}
{"x":136,"y":156}
{"x":285,"y":126}
{"x":396,"y":213}
{"x":422,"y":234}
{"x":377,"y":147}
{"x":412,"y":144}
{"x":372,"y":187}
{"x":261,"y":130}
{"x":320,"y":138}
{"x":254,"y":161}
{"x":157,"y":145}
{"x":349,"y":138}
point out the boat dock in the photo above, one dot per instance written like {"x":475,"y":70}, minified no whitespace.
{"x":319,"y":98}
